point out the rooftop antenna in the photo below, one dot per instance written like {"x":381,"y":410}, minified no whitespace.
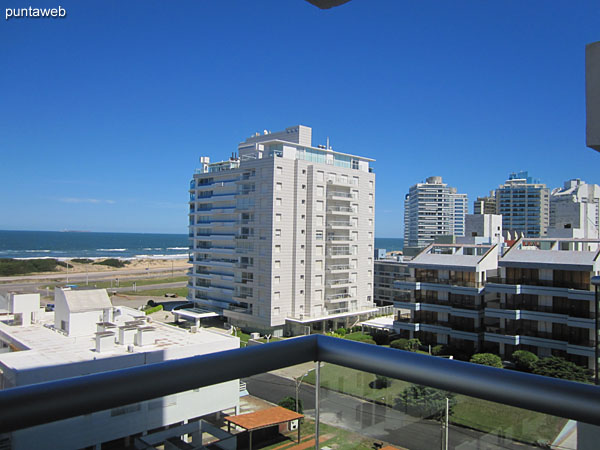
{"x":328,"y":143}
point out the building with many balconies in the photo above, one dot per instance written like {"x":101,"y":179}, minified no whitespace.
{"x":433,"y":209}
{"x":537,"y":296}
{"x":282,"y":235}
{"x":523,"y":203}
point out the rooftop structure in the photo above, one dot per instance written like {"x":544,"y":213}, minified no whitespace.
{"x":38,"y":352}
{"x":433,"y":209}
{"x":278,"y":231}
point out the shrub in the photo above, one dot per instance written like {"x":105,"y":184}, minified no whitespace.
{"x":524,"y":360}
{"x":341,"y":331}
{"x":426,"y":402}
{"x":290,"y":403}
{"x":112,"y":262}
{"x":487,"y":359}
{"x":438,"y":350}
{"x":414,"y":344}
{"x":553,"y":366}
{"x":64,"y":264}
{"x":381,"y":338}
{"x":400,"y":344}
{"x":22,"y":266}
{"x":154,"y":309}
{"x":380,"y":382}
{"x":360,"y":337}
{"x":82,"y":260}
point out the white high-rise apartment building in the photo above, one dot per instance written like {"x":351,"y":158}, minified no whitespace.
{"x":433,"y":209}
{"x":575,"y":210}
{"x":282,"y":235}
{"x":523,"y":204}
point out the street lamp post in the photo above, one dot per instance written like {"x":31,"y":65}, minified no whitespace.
{"x":596,"y":283}
{"x":298,"y":382}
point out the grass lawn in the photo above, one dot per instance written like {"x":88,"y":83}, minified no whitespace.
{"x":335,"y":438}
{"x":478,"y":414}
{"x":128,"y":282}
{"x":181,"y":292}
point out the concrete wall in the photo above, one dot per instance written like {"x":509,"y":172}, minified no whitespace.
{"x":592,"y":94}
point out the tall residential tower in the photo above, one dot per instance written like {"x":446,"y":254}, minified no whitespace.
{"x":524,"y":205}
{"x":282,"y":235}
{"x":433,"y":209}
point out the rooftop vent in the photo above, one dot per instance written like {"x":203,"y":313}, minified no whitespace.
{"x":145,"y":336}
{"x":105,"y":341}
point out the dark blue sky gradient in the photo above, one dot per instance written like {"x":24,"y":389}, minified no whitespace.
{"x":104,"y":114}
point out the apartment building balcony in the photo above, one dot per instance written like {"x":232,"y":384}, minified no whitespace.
{"x":43,"y":403}
{"x":337,"y":268}
{"x":340,"y":210}
{"x":340,"y":195}
{"x":339,"y":253}
{"x":337,"y":298}
{"x":339,"y":224}
{"x":410,"y":282}
{"x":339,"y":239}
{"x":339,"y":283}
{"x":339,"y":181}
{"x":543,"y":283}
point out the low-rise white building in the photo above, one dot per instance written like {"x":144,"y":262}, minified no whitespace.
{"x":40,"y":351}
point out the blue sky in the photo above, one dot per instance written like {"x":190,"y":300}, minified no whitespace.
{"x":104,"y":114}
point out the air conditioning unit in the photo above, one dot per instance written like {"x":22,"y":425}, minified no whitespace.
{"x":294,"y":425}
{"x":254,"y":335}
{"x":194,"y":329}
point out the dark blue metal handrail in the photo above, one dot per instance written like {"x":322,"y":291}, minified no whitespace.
{"x":36,"y":404}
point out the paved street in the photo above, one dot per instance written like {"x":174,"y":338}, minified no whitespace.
{"x":376,"y":421}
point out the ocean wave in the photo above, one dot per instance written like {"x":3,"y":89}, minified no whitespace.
{"x":37,"y":251}
{"x":111,"y":249}
{"x":178,"y":248}
{"x":152,"y":248}
{"x":176,"y":256}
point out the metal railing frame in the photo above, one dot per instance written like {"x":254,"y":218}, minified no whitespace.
{"x":41,"y":403}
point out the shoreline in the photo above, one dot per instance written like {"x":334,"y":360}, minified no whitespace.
{"x":135,"y":267}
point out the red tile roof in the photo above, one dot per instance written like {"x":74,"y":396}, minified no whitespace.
{"x":264,"y":418}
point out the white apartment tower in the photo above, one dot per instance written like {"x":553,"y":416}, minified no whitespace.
{"x":282,"y":235}
{"x":523,"y":204}
{"x":433,"y":209}
{"x":575,"y":210}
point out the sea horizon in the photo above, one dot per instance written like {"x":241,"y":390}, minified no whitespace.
{"x":29,"y":244}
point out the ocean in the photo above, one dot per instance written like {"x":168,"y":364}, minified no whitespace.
{"x":72,"y":244}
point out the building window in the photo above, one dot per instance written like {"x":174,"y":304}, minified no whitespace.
{"x":277,"y":264}
{"x":279,"y":170}
{"x":303,"y":171}
{"x":279,"y":186}
{"x":278,"y":232}
{"x":277,"y":202}
{"x":278,"y":249}
{"x":277,"y":217}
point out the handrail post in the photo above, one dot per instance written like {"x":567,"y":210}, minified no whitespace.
{"x":317,"y":406}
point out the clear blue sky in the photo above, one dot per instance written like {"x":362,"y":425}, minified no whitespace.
{"x":104,"y":114}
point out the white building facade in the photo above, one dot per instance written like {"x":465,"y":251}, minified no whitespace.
{"x":433,"y":209}
{"x":575,"y":210}
{"x":36,"y":351}
{"x":282,"y":234}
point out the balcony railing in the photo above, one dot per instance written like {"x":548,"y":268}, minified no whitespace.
{"x":544,"y":283}
{"x":337,"y":267}
{"x":41,"y":403}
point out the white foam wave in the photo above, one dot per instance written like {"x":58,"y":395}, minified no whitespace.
{"x":111,"y":249}
{"x":37,"y":251}
{"x":178,"y":248}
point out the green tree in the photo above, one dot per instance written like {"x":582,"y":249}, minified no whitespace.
{"x":524,"y":360}
{"x":290,"y":403}
{"x":438,"y":349}
{"x":426,"y":402}
{"x":400,"y":344}
{"x":414,"y":344}
{"x":487,"y":359}
{"x":553,"y":366}
{"x":380,"y":382}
